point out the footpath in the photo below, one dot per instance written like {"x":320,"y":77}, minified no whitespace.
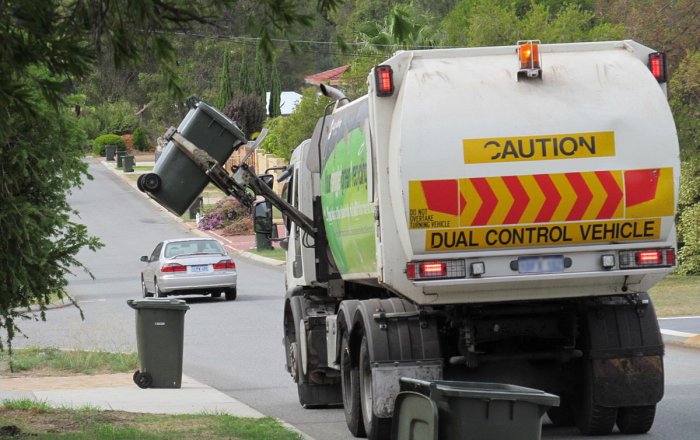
{"x":118,"y":391}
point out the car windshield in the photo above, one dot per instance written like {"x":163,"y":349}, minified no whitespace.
{"x":192,"y":247}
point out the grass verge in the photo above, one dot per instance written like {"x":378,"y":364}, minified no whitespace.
{"x":26,"y":418}
{"x":677,"y":295}
{"x":54,"y":362}
{"x":275,"y":253}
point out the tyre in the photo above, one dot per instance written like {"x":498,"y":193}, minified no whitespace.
{"x":144,"y":289}
{"x":562,"y":415}
{"x":350,"y":383}
{"x":636,"y":419}
{"x":377,"y":428}
{"x":311,"y":395}
{"x":593,"y":419}
{"x":231,"y":293}
{"x":158,"y":293}
{"x":143,"y":379}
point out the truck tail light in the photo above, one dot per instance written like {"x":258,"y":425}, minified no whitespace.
{"x":645,"y":258}
{"x":657,"y":65}
{"x":384,"y":77}
{"x":225,"y":264}
{"x":173,"y":267}
{"x":435,"y":270}
{"x":529,"y":58}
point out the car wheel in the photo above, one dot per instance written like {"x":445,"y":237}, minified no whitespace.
{"x":158,"y":292}
{"x":231,"y":294}
{"x":144,"y":289}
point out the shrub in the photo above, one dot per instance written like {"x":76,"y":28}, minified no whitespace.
{"x":100,"y":142}
{"x":226,"y":212}
{"x":242,"y":226}
{"x":140,"y":139}
{"x":129,"y":142}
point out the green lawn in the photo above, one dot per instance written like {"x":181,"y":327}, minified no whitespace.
{"x":677,"y":295}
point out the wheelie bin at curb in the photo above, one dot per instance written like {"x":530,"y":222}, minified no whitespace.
{"x":110,"y":151}
{"x":447,"y":410}
{"x":128,"y":164}
{"x":160,"y":325}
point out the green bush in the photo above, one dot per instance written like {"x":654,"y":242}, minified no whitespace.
{"x":100,"y":142}
{"x":140,"y":139}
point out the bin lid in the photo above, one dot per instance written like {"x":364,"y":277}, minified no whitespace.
{"x":158,"y":303}
{"x":481,"y":390}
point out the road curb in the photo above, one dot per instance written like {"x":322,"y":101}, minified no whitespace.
{"x":681,"y":339}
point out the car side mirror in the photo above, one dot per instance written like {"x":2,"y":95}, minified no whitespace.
{"x":262,"y":218}
{"x":144,"y":258}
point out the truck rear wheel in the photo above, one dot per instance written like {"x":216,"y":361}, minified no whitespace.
{"x":377,"y":428}
{"x":350,"y":382}
{"x":636,"y":419}
{"x":591,"y":418}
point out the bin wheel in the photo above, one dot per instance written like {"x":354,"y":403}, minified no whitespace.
{"x":151,"y":182}
{"x":231,"y":293}
{"x":350,"y":382}
{"x":216,"y":294}
{"x":139,"y":183}
{"x":143,"y":380}
{"x":591,"y":418}
{"x":377,"y":428}
{"x":636,"y":419}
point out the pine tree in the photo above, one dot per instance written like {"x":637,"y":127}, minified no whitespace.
{"x":274,"y":109}
{"x":225,"y":90}
{"x":260,"y":87}
{"x":244,"y":75}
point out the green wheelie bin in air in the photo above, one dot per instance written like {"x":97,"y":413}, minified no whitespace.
{"x":160,"y":325}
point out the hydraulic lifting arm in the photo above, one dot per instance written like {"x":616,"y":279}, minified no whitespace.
{"x":243,"y":182}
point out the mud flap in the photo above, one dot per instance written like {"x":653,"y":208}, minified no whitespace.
{"x":626,"y":353}
{"x":631,"y":381}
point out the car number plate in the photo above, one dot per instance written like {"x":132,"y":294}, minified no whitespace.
{"x":543,"y":264}
{"x":200,"y":268}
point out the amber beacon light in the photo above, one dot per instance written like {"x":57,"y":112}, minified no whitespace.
{"x":529,"y":58}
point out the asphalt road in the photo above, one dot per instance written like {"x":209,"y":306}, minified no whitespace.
{"x":236,"y":346}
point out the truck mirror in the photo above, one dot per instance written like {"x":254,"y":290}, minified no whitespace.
{"x":262,"y":218}
{"x":268,"y":179}
{"x":284,"y":243}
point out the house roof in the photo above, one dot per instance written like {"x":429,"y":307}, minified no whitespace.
{"x":330,"y":76}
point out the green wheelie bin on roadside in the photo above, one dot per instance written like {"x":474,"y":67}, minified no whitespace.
{"x":449,"y":410}
{"x":160,"y":325}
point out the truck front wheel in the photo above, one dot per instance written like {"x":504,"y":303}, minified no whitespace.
{"x":377,"y":428}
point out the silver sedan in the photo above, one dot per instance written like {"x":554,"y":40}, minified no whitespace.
{"x":189,"y":266}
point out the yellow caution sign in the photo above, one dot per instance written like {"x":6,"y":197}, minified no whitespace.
{"x":544,"y":147}
{"x":557,"y":234}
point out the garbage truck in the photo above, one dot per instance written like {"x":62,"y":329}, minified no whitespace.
{"x":492,"y":214}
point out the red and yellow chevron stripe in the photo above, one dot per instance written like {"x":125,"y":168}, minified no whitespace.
{"x":541,"y":198}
